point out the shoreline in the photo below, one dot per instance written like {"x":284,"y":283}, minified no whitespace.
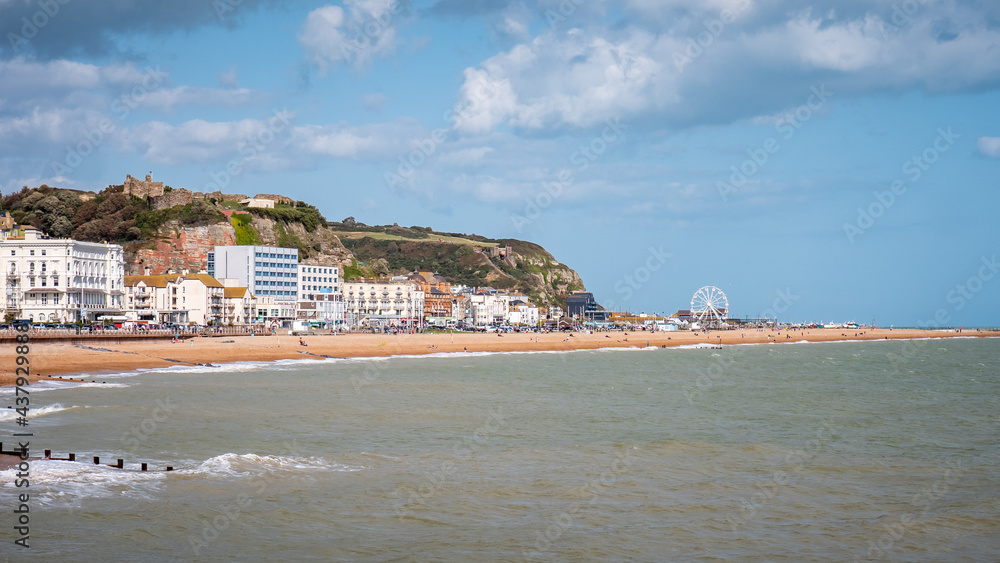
{"x":51,"y":360}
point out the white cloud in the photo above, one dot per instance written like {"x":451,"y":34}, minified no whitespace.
{"x":273,"y":143}
{"x":694,"y":68}
{"x":357,"y":33}
{"x":466,"y":157}
{"x":228,"y":78}
{"x":373,"y":101}
{"x":366,"y":142}
{"x":990,"y":146}
{"x":166,"y":99}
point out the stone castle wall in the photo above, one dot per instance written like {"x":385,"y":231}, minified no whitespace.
{"x":176,"y":196}
{"x":139,"y":188}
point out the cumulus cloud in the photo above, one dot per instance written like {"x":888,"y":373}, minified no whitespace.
{"x":721,"y":61}
{"x":272,"y":143}
{"x":354,"y":34}
{"x":378,"y":141}
{"x":990,"y":146}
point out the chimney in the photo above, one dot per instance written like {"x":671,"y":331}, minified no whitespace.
{"x":145,"y":271}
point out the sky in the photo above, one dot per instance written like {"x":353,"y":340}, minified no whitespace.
{"x":816,"y":161}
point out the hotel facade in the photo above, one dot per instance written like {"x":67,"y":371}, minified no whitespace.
{"x":60,"y":280}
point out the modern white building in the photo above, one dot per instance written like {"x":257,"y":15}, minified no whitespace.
{"x":60,"y":280}
{"x":264,"y":270}
{"x":316,"y":279}
{"x":381,"y":303}
{"x":320,"y":299}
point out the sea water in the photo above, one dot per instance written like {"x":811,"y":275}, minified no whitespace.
{"x":856,"y":451}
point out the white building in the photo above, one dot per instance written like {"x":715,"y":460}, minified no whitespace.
{"x":316,"y":279}
{"x":320,"y":299}
{"x":60,"y":280}
{"x":381,"y":303}
{"x":489,"y":308}
{"x":239,"y":307}
{"x":522,"y":313}
{"x":267,"y":271}
{"x":258,"y":202}
{"x":176,"y":298}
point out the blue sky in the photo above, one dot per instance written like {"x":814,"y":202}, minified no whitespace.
{"x":822,"y":160}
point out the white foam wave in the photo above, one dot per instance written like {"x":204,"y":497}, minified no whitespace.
{"x":63,"y":483}
{"x":247,"y":464}
{"x":78,"y":384}
{"x":698,"y":346}
{"x":11,"y":413}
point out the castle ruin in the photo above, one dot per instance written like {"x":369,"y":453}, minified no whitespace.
{"x":138,"y":188}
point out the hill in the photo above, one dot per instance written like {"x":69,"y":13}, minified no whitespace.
{"x":472,"y":260}
{"x":176,"y":229}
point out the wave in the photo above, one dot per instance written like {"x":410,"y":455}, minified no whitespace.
{"x":66,"y":483}
{"x":77,"y":384}
{"x":11,"y":414}
{"x":248,"y":464}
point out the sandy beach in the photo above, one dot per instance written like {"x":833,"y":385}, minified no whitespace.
{"x":50,"y":359}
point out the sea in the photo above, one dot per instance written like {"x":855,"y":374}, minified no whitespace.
{"x":844,"y":451}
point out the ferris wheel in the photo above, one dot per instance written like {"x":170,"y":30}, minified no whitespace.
{"x":710,"y":304}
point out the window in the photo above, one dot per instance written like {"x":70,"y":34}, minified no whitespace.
{"x":13,"y":252}
{"x":55,"y":299}
{"x":31,"y":252}
{"x":43,"y":252}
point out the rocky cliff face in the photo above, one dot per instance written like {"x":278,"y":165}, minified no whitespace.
{"x":178,"y":247}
